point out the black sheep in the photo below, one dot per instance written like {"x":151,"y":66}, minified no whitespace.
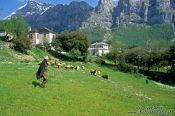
{"x":105,"y":77}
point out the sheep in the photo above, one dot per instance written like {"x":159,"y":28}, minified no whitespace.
{"x":59,"y":65}
{"x":82,"y":67}
{"x":105,"y":77}
{"x":62,"y":63}
{"x":52,"y":63}
{"x":93,"y":72}
{"x":69,"y":67}
{"x":98,"y":72}
{"x":77,"y":67}
{"x":9,"y":62}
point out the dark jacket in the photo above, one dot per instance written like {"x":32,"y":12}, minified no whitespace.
{"x":42,"y":68}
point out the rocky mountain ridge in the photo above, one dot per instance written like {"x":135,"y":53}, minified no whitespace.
{"x":107,"y":14}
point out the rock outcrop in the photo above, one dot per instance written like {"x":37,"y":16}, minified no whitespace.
{"x":130,"y":11}
{"x":106,"y":15}
{"x":101,"y":16}
{"x":161,"y":11}
{"x":65,"y":17}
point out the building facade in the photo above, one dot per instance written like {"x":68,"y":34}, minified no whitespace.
{"x":99,"y":48}
{"x":2,"y":33}
{"x":39,"y":36}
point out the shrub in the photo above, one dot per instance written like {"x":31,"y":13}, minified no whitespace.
{"x":69,"y":41}
{"x":126,"y":68}
{"x":22,"y":44}
{"x":75,"y":54}
{"x":100,"y":61}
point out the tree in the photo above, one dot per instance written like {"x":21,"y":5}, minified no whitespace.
{"x":56,"y":44}
{"x":73,"y":40}
{"x":116,"y":52}
{"x":75,"y":54}
{"x":136,"y":56}
{"x":157,"y":45}
{"x":46,"y":44}
{"x":171,"y":57}
{"x":22,"y":44}
{"x":15,"y":26}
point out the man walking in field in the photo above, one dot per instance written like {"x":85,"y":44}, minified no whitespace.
{"x":42,"y":71}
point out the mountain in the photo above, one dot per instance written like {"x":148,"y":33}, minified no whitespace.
{"x":106,"y":15}
{"x":144,"y":11}
{"x":161,"y":11}
{"x":65,"y":17}
{"x":101,"y":15}
{"x":31,"y":8}
{"x":127,"y":12}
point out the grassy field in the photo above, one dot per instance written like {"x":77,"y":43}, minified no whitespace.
{"x":76,"y":93}
{"x":71,"y":92}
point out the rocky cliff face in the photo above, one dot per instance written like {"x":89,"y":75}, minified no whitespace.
{"x":130,"y":11}
{"x":161,"y":11}
{"x":106,"y":14}
{"x":56,"y":17}
{"x":101,"y":15}
{"x":144,"y":11}
{"x":65,"y":17}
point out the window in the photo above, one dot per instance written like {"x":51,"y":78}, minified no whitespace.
{"x":44,"y":35}
{"x":31,"y":36}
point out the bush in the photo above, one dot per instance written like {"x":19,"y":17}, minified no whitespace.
{"x":100,"y":61}
{"x":87,"y":58}
{"x":3,"y":38}
{"x":126,"y":68}
{"x":75,"y":54}
{"x":22,"y":44}
{"x":69,"y":41}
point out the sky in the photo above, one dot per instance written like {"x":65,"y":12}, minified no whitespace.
{"x":9,"y":6}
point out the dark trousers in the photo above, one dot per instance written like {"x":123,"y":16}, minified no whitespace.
{"x":45,"y":79}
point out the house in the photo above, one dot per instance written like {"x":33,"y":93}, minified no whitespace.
{"x":2,"y":33}
{"x":39,"y":36}
{"x":99,"y":48}
{"x":5,"y":35}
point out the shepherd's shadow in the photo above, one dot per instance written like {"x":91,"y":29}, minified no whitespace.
{"x":35,"y":84}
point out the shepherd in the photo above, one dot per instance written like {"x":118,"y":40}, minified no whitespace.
{"x":42,"y":71}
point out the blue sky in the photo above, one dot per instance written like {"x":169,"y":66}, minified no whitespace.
{"x":9,"y":6}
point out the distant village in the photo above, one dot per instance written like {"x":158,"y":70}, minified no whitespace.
{"x":38,"y":36}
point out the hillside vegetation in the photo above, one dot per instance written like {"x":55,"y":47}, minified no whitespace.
{"x":139,"y":35}
{"x":133,"y":34}
{"x":71,"y":92}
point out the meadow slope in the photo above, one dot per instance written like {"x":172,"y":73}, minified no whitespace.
{"x":77,"y":93}
{"x":71,"y":92}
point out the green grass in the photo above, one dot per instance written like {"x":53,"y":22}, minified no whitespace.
{"x":8,"y":55}
{"x":38,"y":53}
{"x":73,"y":93}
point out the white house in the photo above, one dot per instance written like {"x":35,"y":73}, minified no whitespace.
{"x":2,"y":33}
{"x":99,"y":48}
{"x":38,"y":36}
{"x":6,"y":35}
